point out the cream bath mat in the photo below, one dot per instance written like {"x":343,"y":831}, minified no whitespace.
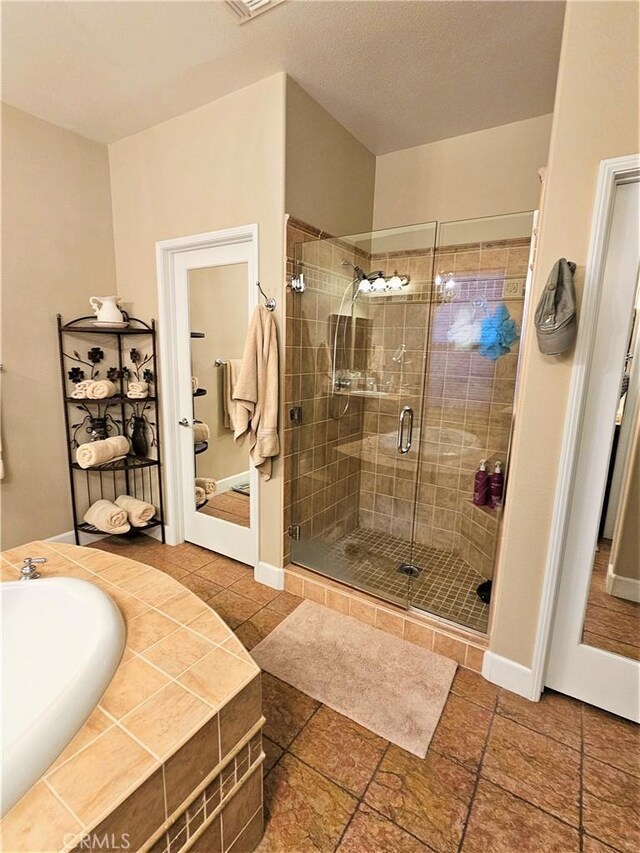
{"x":391,"y":687}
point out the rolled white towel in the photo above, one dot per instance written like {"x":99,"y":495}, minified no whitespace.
{"x":138,"y":387}
{"x":100,"y":452}
{"x":80,"y":389}
{"x":208,"y":484}
{"x":194,"y":383}
{"x":201,"y":432}
{"x":108,"y":517}
{"x":140,"y":512}
{"x":101,"y":389}
{"x":137,"y":395}
{"x":200,"y":495}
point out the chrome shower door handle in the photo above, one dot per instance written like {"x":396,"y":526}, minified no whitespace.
{"x":183,"y":422}
{"x":405,"y":445}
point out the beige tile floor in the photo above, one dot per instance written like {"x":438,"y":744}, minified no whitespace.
{"x":502,"y":775}
{"x":229,"y":506}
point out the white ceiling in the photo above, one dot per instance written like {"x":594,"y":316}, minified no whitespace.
{"x":395,"y":73}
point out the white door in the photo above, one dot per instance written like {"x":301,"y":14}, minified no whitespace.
{"x":594,"y":636}
{"x":215,"y":295}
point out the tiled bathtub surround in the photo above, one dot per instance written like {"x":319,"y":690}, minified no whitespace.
{"x":344,"y":476}
{"x":172,"y":753}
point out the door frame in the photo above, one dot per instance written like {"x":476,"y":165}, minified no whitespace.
{"x":168,"y":313}
{"x":612,"y":173}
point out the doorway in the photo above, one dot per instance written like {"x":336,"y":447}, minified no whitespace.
{"x":207,"y":293}
{"x":594,"y":639}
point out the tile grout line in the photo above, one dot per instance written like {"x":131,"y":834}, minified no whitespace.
{"x":530,"y":728}
{"x":140,"y":655}
{"x":361,"y":800}
{"x":63,"y":802}
{"x":478,"y":776}
{"x":511,"y":793}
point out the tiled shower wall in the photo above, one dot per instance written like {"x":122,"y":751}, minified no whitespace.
{"x":469,"y":401}
{"x":349,"y":472}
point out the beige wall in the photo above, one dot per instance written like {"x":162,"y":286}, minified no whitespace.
{"x":596,"y":117}
{"x":57,"y":251}
{"x":215,"y":167}
{"x":486,"y":173}
{"x":218,"y":306}
{"x":329,"y":174}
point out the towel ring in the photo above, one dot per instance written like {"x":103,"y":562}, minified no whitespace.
{"x":270,"y":304}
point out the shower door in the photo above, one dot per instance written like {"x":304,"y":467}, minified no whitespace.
{"x":397,"y":396}
{"x":355,"y":374}
{"x":480,"y":275}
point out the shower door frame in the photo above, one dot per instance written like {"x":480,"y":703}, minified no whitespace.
{"x":404,"y":601}
{"x":421,"y":415}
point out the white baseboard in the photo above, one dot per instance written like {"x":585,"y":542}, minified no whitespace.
{"x":154,"y":533}
{"x":234,"y":480}
{"x":622,"y":587}
{"x":269,"y":575}
{"x":69,"y":538}
{"x":510,"y":675}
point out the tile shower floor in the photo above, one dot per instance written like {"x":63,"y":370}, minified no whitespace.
{"x":501,"y":774}
{"x":369,"y":560}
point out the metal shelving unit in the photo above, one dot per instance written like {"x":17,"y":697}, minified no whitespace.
{"x":138,"y":476}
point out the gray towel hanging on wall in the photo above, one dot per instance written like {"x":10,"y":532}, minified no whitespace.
{"x":555,"y":317}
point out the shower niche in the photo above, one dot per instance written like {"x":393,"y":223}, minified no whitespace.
{"x":401,"y":357}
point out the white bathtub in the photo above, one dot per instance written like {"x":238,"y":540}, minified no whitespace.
{"x":62,"y":640}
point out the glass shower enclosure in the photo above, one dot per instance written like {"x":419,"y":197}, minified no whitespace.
{"x":400,"y":374}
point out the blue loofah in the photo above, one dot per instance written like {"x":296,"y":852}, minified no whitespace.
{"x":498,"y":333}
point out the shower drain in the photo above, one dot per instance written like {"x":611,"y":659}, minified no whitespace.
{"x":409,"y":569}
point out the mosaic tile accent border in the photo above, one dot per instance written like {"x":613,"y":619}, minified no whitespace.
{"x":215,"y":816}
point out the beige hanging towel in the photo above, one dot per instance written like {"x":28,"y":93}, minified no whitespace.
{"x":256,"y":392}
{"x":231,"y":369}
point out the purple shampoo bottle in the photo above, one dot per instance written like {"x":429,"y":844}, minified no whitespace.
{"x":481,"y":485}
{"x":496,"y":486}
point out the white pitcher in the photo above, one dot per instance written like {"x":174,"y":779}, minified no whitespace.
{"x":106,"y":309}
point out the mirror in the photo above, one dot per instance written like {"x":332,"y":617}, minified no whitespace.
{"x":218,"y":312}
{"x":612,"y":618}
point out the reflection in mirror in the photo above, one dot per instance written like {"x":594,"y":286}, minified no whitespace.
{"x":218,"y":312}
{"x":612,"y":620}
